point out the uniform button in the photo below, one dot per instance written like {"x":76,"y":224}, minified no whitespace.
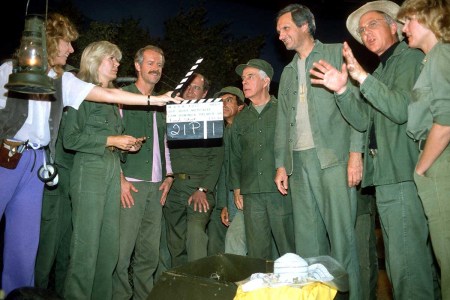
{"x":146,"y":161}
{"x":295,"y":93}
{"x":260,"y":131}
{"x":260,"y":159}
{"x":260,"y":173}
{"x":292,"y":124}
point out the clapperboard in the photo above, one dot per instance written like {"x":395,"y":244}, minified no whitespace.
{"x":195,"y":119}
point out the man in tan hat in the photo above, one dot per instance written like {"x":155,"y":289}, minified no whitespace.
{"x":267,"y":213}
{"x":317,"y":153}
{"x":390,"y":156}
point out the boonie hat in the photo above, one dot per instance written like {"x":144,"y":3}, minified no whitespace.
{"x":256,"y":63}
{"x":387,"y":7}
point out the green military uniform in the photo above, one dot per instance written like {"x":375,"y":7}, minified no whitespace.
{"x":216,"y":229}
{"x":195,"y":164}
{"x":56,"y":222}
{"x":267,"y":213}
{"x":95,"y":194}
{"x":431,"y":105}
{"x":322,"y":201}
{"x":140,"y":225}
{"x":390,"y":170}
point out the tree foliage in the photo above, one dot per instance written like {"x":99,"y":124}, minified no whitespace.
{"x":188,"y":36}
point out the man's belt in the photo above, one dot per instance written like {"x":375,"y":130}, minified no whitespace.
{"x":184,"y":176}
{"x":422,"y":144}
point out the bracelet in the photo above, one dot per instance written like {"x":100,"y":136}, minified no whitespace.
{"x":170,"y":176}
{"x":201,"y":189}
{"x":148,"y":100}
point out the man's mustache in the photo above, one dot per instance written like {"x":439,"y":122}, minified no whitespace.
{"x":155,"y":73}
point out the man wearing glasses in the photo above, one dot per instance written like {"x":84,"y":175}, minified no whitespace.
{"x":389,"y":156}
{"x":196,"y":165}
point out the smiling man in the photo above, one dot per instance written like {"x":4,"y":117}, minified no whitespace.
{"x":390,"y":155}
{"x":317,"y":153}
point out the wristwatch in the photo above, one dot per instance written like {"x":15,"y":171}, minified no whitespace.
{"x":202,"y":189}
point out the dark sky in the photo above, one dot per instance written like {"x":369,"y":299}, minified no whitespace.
{"x":246,"y":18}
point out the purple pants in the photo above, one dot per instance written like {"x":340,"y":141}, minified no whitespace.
{"x":21,"y":203}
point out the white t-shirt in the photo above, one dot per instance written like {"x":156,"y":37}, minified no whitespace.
{"x":36,"y":128}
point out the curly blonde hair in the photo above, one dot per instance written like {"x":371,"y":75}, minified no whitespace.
{"x":433,"y":14}
{"x":58,"y":27}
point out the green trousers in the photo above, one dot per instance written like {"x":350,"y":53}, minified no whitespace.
{"x":408,"y":256}
{"x":216,"y":233}
{"x":366,"y":241}
{"x":140,"y":231}
{"x":186,"y":229}
{"x":268,"y":217}
{"x":94,"y":249}
{"x":325,"y":213}
{"x":55,"y":235}
{"x":165,"y":260}
{"x":434,"y":191}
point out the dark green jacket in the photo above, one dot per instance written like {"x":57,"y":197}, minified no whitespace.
{"x":333,"y":136}
{"x":252,"y":158}
{"x":87,"y":129}
{"x":387,"y":94}
{"x":138,"y":122}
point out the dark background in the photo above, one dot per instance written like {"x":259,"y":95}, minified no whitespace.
{"x":246,"y":18}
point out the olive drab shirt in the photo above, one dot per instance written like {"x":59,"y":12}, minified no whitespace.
{"x":387,"y":94}
{"x":333,"y":136}
{"x":252,"y":163}
{"x":431,"y":93}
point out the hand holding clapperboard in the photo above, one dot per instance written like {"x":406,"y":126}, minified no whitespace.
{"x":194,"y":119}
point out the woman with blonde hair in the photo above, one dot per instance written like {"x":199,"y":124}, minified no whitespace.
{"x":427,"y":27}
{"x":94,"y":131}
{"x":28,"y":129}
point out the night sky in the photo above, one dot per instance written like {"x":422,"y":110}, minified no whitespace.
{"x":246,"y":18}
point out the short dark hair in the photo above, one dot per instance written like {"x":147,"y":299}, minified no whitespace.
{"x":300,"y":15}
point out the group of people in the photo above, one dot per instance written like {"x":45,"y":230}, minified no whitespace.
{"x":286,"y":176}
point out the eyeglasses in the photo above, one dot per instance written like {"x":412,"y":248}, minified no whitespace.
{"x":194,"y":87}
{"x":371,"y":25}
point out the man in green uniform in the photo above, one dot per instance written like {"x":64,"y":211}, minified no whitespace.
{"x":220,"y":230}
{"x":145,"y":181}
{"x":267,"y":213}
{"x":389,"y":155}
{"x":317,"y":148}
{"x":196,"y":165}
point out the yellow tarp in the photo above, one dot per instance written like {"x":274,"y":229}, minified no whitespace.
{"x":313,"y":291}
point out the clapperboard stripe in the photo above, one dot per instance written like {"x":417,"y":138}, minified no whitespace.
{"x":209,"y":100}
{"x":186,"y":77}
